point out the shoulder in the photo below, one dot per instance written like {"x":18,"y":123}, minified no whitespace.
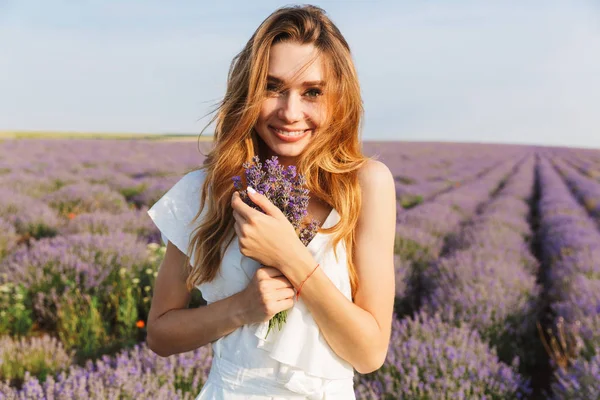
{"x":378,"y":193}
{"x":184,"y":196}
{"x":196,"y":175}
{"x":192,"y":181}
{"x":375,"y":174}
{"x":174,"y":212}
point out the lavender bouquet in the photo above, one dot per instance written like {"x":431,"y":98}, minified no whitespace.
{"x":286,"y":190}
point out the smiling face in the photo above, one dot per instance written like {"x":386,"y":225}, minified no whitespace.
{"x":294,"y":107}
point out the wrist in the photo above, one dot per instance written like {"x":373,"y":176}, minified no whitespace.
{"x":298,"y":267}
{"x":239,"y":313}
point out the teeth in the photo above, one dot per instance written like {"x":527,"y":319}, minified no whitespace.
{"x":285,"y":133}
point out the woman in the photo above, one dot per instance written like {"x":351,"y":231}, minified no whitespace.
{"x":293,"y":93}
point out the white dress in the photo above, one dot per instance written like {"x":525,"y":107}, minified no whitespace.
{"x":294,"y":363}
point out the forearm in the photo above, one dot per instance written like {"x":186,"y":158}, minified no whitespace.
{"x":352,"y":332}
{"x":182,"y":330}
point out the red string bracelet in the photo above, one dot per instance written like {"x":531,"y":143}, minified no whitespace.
{"x":298,"y":293}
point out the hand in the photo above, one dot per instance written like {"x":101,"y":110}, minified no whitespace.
{"x":269,"y":238}
{"x":268,"y":293}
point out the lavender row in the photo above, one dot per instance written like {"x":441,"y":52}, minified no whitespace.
{"x":432,"y":359}
{"x":421,"y":231}
{"x":86,"y":191}
{"x":586,"y":189}
{"x":586,"y":167}
{"x":134,"y":373}
{"x":487,"y":277}
{"x":422,"y":171}
{"x":77,"y":208}
{"x":125,"y":165}
{"x":417,"y":163}
{"x":79,"y":176}
{"x":585,"y":160}
{"x":570,"y":246}
{"x":570,"y":240}
{"x":91,"y":290}
{"x":421,"y":185}
{"x":74,"y":158}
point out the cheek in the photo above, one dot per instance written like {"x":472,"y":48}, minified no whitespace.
{"x":317,"y":114}
{"x":267,"y":109}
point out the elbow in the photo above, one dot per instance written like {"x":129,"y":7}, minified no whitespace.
{"x":376,"y":354}
{"x":154,"y":343}
{"x":160,"y":351}
{"x":369,"y":367}
{"x":155,"y":349}
{"x":372,"y":363}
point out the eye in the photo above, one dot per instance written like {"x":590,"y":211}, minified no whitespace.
{"x":271,"y":87}
{"x":315,"y":93}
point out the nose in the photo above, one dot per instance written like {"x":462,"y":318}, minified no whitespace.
{"x":290,"y":108}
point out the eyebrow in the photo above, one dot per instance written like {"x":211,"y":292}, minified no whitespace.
{"x":307,"y":83}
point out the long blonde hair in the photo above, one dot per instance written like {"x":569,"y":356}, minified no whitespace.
{"x":330,"y":162}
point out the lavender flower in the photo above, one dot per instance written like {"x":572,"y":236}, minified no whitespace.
{"x":430,"y":359}
{"x":132,"y":373}
{"x":286,"y":189}
{"x":38,"y":356}
{"x":579,"y":381}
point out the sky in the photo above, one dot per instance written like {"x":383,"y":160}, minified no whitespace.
{"x":486,"y":71}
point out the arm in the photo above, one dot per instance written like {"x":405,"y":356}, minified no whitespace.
{"x":172,"y":327}
{"x":358,"y":332}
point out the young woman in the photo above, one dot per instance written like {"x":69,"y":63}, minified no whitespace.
{"x":292,"y":92}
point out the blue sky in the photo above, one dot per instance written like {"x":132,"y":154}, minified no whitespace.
{"x":489,"y":71}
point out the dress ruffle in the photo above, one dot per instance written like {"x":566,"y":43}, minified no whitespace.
{"x":175,"y":210}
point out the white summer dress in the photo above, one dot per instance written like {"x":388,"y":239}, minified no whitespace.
{"x":294,"y":363}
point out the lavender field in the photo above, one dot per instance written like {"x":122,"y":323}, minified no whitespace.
{"x":496,"y":256}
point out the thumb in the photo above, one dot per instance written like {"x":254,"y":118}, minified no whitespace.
{"x":263,"y":202}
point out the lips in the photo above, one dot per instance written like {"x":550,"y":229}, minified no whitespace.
{"x":287,"y":129}
{"x":289,"y":139}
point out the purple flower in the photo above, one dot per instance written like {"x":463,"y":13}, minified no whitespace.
{"x":285,"y":188}
{"x":428,"y":358}
{"x":132,"y":373}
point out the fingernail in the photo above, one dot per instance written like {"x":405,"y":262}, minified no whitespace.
{"x":251,"y":189}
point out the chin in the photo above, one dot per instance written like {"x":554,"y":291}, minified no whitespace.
{"x":288,"y":150}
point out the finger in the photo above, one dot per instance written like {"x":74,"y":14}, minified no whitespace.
{"x":284,"y":294}
{"x":238,"y":217}
{"x":244,"y":209}
{"x":279,"y":283}
{"x":263,"y":202}
{"x":286,"y":304}
{"x":238,"y":230}
{"x":269,"y":272}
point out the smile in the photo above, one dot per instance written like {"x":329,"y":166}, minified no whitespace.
{"x":288,"y":136}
